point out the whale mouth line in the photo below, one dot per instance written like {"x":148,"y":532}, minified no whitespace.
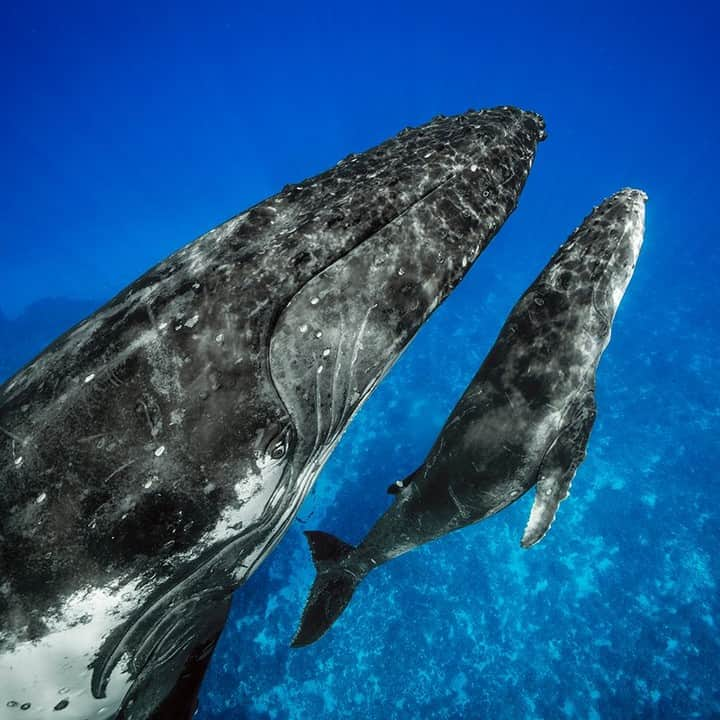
{"x":146,"y":634}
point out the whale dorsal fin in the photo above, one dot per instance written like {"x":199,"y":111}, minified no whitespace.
{"x":558,"y":467}
{"x":398,"y":486}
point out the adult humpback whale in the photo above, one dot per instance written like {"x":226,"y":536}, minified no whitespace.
{"x":152,"y":457}
{"x":524,"y":419}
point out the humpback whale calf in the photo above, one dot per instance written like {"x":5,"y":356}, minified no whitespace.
{"x":152,"y":456}
{"x":524,"y":420}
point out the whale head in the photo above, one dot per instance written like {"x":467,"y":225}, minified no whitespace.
{"x":459,"y":179}
{"x":155,"y":454}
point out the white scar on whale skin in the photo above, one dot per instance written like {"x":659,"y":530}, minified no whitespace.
{"x":42,"y":672}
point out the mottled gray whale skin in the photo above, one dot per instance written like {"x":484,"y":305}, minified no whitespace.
{"x":524,"y":420}
{"x":152,"y":456}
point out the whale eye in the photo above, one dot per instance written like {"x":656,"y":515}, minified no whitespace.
{"x":279,"y":450}
{"x":279,"y":445}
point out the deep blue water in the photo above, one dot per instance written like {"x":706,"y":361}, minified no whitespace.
{"x":126,"y":132}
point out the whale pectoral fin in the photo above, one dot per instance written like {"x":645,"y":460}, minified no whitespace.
{"x":182,"y":702}
{"x":168,"y":686}
{"x":558,"y":468}
{"x":550,"y":492}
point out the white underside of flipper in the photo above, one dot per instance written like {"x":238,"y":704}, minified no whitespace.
{"x":548,"y":497}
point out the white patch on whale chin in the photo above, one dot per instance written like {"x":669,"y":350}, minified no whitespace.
{"x":255,"y":493}
{"x":55,"y":668}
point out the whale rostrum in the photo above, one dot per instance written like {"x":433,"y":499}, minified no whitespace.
{"x":152,"y":456}
{"x":523,"y":421}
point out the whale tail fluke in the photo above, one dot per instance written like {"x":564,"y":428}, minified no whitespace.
{"x":326,"y":548}
{"x":332,"y":589}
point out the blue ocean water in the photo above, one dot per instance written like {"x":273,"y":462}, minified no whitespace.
{"x":127,"y":131}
